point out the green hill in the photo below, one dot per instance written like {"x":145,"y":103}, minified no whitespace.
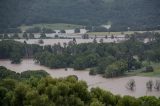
{"x":137,"y":14}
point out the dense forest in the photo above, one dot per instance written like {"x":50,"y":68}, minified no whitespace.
{"x":109,"y":59}
{"x":121,"y":14}
{"x":36,"y":88}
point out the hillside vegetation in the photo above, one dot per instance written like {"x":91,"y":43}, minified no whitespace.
{"x":137,"y":14}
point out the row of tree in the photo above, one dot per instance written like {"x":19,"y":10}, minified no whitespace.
{"x":69,"y":91}
{"x":35,"y":30}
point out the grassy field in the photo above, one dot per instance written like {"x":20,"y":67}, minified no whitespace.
{"x":115,"y":33}
{"x":58,"y":26}
{"x":139,"y":72}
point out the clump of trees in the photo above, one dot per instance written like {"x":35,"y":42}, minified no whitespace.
{"x":15,"y":51}
{"x":62,"y":31}
{"x":77,"y":30}
{"x":116,"y":69}
{"x":6,"y":73}
{"x":92,"y":71}
{"x":149,"y":69}
{"x":85,"y":36}
{"x":43,"y":36}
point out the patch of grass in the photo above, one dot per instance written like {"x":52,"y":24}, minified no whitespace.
{"x":116,"y":33}
{"x":155,"y":73}
{"x":57,"y":26}
{"x":139,"y":72}
{"x":107,"y":33}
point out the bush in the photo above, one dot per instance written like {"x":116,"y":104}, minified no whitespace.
{"x":92,"y":72}
{"x":40,"y":41}
{"x":77,"y":30}
{"x":149,"y":69}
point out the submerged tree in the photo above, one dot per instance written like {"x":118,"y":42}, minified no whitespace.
{"x":94,"y":40}
{"x":25,"y":35}
{"x":149,"y":85}
{"x":131,"y":85}
{"x":101,"y":40}
{"x":157,"y":85}
{"x":40,"y":41}
{"x":31,"y":36}
{"x":85,"y":36}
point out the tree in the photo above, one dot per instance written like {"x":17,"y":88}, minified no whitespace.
{"x":62,"y":31}
{"x":31,"y":36}
{"x":112,"y":37}
{"x":40,"y":41}
{"x":96,"y":103}
{"x":43,"y":35}
{"x":85,"y":36}
{"x":15,"y":58}
{"x":131,"y":84}
{"x":25,"y":35}
{"x":149,"y":69}
{"x":15,"y":36}
{"x":129,"y":101}
{"x":94,"y":40}
{"x":6,"y":36}
{"x":56,"y":36}
{"x":149,"y":85}
{"x":76,"y":30}
{"x":101,"y":40}
{"x":92,"y":72}
{"x":116,"y":69}
{"x":157,"y":85}
{"x":74,"y":40}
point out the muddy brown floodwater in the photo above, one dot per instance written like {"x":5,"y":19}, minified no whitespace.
{"x":62,"y":41}
{"x":114,"y":85}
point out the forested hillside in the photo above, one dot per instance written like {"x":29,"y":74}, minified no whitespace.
{"x":137,"y":14}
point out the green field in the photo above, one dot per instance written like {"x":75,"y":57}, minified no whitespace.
{"x":155,"y":73}
{"x":116,"y":33}
{"x":58,"y":26}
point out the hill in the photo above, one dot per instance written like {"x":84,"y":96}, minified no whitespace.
{"x":137,"y":14}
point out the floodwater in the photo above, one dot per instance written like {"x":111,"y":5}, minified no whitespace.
{"x":114,"y":85}
{"x":62,"y":41}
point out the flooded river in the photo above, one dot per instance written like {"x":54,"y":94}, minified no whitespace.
{"x":114,"y":85}
{"x":62,"y":41}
